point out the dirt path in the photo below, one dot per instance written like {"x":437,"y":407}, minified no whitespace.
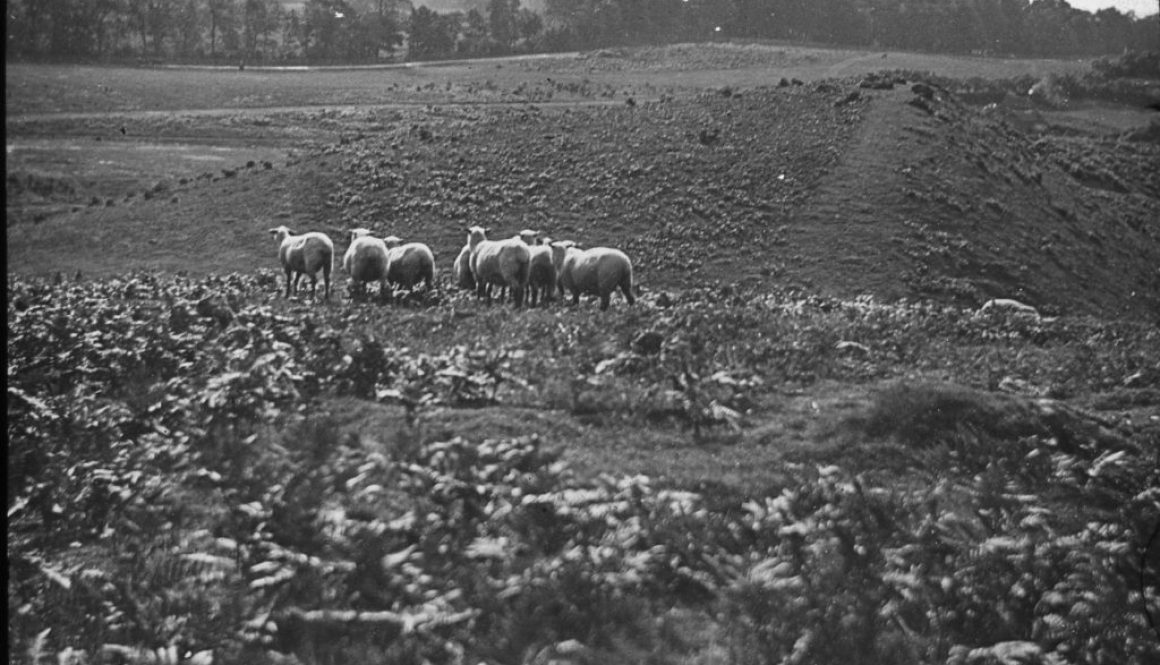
{"x":844,"y":216}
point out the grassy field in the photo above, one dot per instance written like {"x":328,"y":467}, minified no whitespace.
{"x":804,"y":443}
{"x":38,"y":89}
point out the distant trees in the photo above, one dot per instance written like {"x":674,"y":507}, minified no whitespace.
{"x":366,"y":30}
{"x":350,"y":30}
{"x":432,"y":35}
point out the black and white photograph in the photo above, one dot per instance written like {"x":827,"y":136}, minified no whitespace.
{"x":583,"y":332}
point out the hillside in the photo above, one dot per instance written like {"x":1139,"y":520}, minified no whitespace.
{"x":761,"y":187}
{"x":754,"y":463}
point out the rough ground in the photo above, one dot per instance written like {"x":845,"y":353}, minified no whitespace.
{"x":833,"y":188}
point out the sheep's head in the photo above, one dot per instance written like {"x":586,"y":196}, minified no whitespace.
{"x":280,"y":233}
{"x":355,"y":234}
{"x":476,"y":234}
{"x":560,"y":251}
{"x":392,"y":241}
{"x":528,"y":236}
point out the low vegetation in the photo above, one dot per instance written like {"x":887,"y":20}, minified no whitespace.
{"x":185,"y":479}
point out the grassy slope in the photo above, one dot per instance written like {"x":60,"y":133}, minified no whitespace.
{"x":764,"y":188}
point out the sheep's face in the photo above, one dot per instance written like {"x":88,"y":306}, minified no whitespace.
{"x":475,"y":235}
{"x":392,"y":241}
{"x":528,"y":236}
{"x":355,"y":234}
{"x":559,"y":250}
{"x":280,"y":233}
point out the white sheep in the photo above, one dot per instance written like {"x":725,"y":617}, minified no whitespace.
{"x":461,"y":269}
{"x":409,"y":264}
{"x":1009,"y":305}
{"x":304,"y":254}
{"x":541,"y":273}
{"x":598,"y":271}
{"x":366,"y":260}
{"x":503,"y":263}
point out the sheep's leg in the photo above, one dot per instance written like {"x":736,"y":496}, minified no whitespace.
{"x":575,"y":298}
{"x":517,"y":296}
{"x":605,"y":299}
{"x":326,"y":281}
{"x":313,"y":285}
{"x":288,"y":271}
{"x":627,"y":291}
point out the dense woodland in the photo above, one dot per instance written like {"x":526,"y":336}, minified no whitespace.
{"x":331,"y":31}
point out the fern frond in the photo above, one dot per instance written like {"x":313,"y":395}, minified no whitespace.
{"x":36,"y":651}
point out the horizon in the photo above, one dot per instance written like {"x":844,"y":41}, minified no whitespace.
{"x":1141,"y":8}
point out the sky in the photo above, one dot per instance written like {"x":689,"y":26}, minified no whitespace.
{"x":1141,"y":7}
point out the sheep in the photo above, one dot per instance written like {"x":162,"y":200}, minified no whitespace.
{"x":598,"y":271}
{"x":541,"y":273}
{"x":1008,"y":305}
{"x":499,"y":262}
{"x":366,"y":260}
{"x":462,"y":270}
{"x":304,"y":254}
{"x":410,"y":263}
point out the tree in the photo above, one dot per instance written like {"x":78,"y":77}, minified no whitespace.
{"x":221,"y":20}
{"x":154,"y":22}
{"x":501,"y":23}
{"x":260,"y":20}
{"x":187,"y":28}
{"x":323,"y":28}
{"x":529,"y":25}
{"x":475,"y":40}
{"x":432,"y":34}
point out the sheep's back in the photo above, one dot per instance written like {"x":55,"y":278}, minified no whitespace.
{"x":309,"y":252}
{"x":598,"y":270}
{"x":409,"y":264}
{"x":541,"y":270}
{"x":366,"y":259}
{"x":495,"y":261}
{"x":462,"y":269}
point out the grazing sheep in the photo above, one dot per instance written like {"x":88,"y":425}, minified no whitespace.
{"x":462,"y":270}
{"x":410,"y":263}
{"x":598,"y":271}
{"x":366,"y":260}
{"x":499,"y":262}
{"x":541,"y":273}
{"x":304,"y":254}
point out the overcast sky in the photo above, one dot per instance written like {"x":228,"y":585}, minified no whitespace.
{"x":1141,"y":7}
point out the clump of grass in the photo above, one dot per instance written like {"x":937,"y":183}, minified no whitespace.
{"x":924,"y":414}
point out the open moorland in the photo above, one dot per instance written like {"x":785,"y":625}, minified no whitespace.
{"x":806,"y":441}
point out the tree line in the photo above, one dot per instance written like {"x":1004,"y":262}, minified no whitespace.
{"x":376,"y":30}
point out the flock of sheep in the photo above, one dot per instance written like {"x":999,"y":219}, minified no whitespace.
{"x":525,"y":266}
